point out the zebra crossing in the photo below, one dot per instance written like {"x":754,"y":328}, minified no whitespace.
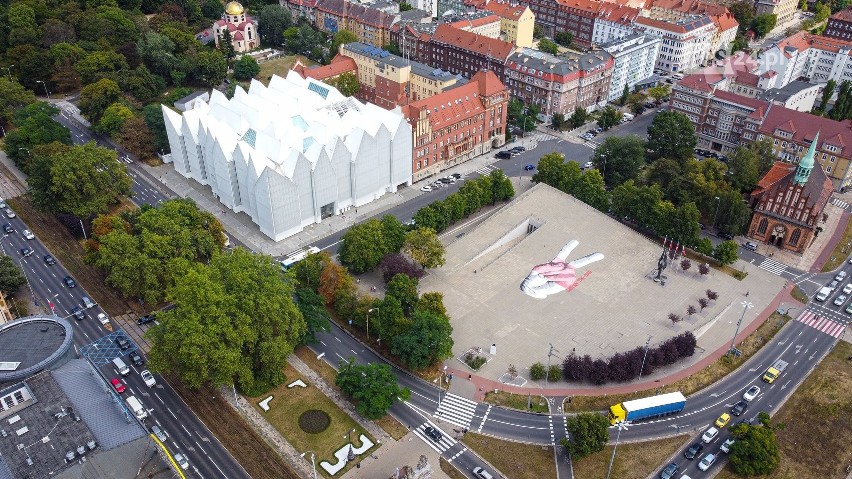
{"x":819,"y":323}
{"x":446,"y":442}
{"x":591,"y":144}
{"x":839,"y":203}
{"x":540,"y":136}
{"x":773,"y":266}
{"x":486,"y":169}
{"x":456,"y":410}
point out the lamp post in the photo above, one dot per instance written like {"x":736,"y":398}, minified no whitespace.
{"x":718,"y":201}
{"x":622,"y":426}
{"x":351,"y":454}
{"x":313,"y":461}
{"x":547,"y":371}
{"x":368,"y":320}
{"x":645,"y":356}
{"x":9,"y":71}
{"x":746,"y":306}
{"x":45,"y":88}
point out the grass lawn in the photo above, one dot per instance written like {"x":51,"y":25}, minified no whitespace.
{"x":288,"y":405}
{"x":280,"y":66}
{"x":840,"y":252}
{"x":692,"y":384}
{"x":817,"y":419}
{"x":515,"y":460}
{"x":450,"y":470}
{"x":632,"y":460}
{"x":517,"y":401}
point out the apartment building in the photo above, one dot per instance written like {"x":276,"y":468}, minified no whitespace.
{"x":685,"y":42}
{"x":370,"y":25}
{"x":466,"y":53}
{"x":487,"y":25}
{"x":614,"y":21}
{"x":782,"y":9}
{"x":516,"y":21}
{"x":559,"y":84}
{"x":574,"y":16}
{"x":459,"y":124}
{"x":840,"y":25}
{"x":813,"y":58}
{"x":634,"y":57}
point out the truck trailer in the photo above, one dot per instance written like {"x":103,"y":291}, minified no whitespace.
{"x":774,"y":371}
{"x":654,"y":406}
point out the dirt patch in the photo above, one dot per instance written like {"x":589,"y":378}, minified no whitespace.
{"x":450,"y":470}
{"x":248,"y":447}
{"x":632,"y":460}
{"x":817,"y":446}
{"x":698,"y":381}
{"x":513,"y":459}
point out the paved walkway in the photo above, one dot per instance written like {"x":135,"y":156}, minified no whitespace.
{"x":389,"y":459}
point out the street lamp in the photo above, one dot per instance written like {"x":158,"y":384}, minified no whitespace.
{"x":645,"y":356}
{"x":547,"y":371}
{"x":45,"y":88}
{"x":746,"y":306}
{"x":622,"y":426}
{"x":313,"y":461}
{"x":368,"y":320}
{"x":351,"y":455}
{"x":717,"y":211}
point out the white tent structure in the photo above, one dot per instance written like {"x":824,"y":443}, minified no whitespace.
{"x":292,"y":153}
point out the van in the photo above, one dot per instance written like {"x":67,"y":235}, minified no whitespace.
{"x":136,"y":407}
{"x":120,"y":367}
{"x":823,"y":294}
{"x":627,"y":116}
{"x":482,"y":473}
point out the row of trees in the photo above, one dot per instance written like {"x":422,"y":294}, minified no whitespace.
{"x":626,"y":366}
{"x":470,"y":198}
{"x":366,"y":245}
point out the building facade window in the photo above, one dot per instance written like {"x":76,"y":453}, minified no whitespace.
{"x":761,"y":227}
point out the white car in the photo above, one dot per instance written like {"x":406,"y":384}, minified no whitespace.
{"x":751,"y":393}
{"x":29,"y":235}
{"x":840,"y":276}
{"x":425,"y":188}
{"x":708,"y":461}
{"x":103,"y":318}
{"x":726,"y":446}
{"x":847,"y":289}
{"x":148,"y":378}
{"x":181,"y":460}
{"x":839,"y":300}
{"x":10,"y":213}
{"x":709,"y":435}
{"x":588,"y":165}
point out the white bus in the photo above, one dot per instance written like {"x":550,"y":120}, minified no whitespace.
{"x":297,"y":256}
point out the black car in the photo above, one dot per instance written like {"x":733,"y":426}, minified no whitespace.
{"x":148,"y":318}
{"x":69,"y":282}
{"x":693,"y":451}
{"x":456,"y":176}
{"x":433,"y":433}
{"x":739,"y":408}
{"x":7,"y":228}
{"x":519,"y":148}
{"x":122,"y":342}
{"x":726,"y":236}
{"x":529,"y":167}
{"x":136,"y":358}
{"x":78,"y":313}
{"x":26,"y":251}
{"x":49,"y":260}
{"x":669,"y":471}
{"x":503,"y":155}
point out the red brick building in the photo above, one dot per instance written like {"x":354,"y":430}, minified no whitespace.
{"x":454,"y":126}
{"x":466,"y":53}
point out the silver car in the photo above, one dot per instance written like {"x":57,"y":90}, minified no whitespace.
{"x":159,"y":433}
{"x":839,"y":300}
{"x":180,"y":459}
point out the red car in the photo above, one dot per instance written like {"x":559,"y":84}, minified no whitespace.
{"x":118,"y":385}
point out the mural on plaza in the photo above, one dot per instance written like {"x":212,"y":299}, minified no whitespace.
{"x":558,"y":275}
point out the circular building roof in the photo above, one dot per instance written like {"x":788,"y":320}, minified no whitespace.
{"x":32,"y":344}
{"x":234,"y":8}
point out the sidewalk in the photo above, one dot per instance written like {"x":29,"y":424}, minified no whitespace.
{"x":393,"y":456}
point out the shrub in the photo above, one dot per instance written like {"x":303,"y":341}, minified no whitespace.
{"x":553,"y":373}
{"x":395,"y":263}
{"x":314,"y":421}
{"x":537,"y":371}
{"x":474,"y":361}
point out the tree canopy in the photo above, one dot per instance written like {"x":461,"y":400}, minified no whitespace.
{"x":619,"y":158}
{"x":423,"y":246}
{"x":671,"y":135}
{"x":35,"y":126}
{"x":373,"y":387}
{"x":11,"y":276}
{"x":234,"y":321}
{"x":755,"y":452}
{"x":246,"y":68}
{"x":588,"y":433}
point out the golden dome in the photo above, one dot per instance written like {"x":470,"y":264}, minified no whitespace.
{"x":234,"y":8}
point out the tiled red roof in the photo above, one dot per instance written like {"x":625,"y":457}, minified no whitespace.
{"x":701,"y":81}
{"x":488,"y":83}
{"x":488,"y":47}
{"x":725,"y":21}
{"x":801,"y":41}
{"x":477,"y":22}
{"x":584,"y":5}
{"x":238,"y":35}
{"x":616,"y":13}
{"x":804,"y":127}
{"x":451,"y":106}
{"x":746,"y":78}
{"x":505,"y":10}
{"x":778,"y":172}
{"x":339,"y":64}
{"x":843,"y":15}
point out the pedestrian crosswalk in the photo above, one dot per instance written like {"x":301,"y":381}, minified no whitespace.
{"x":820,"y":323}
{"x":840,"y":203}
{"x":456,"y":410}
{"x":773,"y":266}
{"x":486,"y":169}
{"x":441,"y":445}
{"x":591,"y":144}
{"x":541,"y":136}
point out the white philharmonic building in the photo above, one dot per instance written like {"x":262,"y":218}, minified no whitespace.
{"x":292,"y":153}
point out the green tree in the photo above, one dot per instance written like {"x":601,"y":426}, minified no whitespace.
{"x":100,"y":64}
{"x":393,"y":234}
{"x":746,"y":169}
{"x":246,"y":68}
{"x":579,"y":117}
{"x":234,"y":321}
{"x":428,"y":341}
{"x":404,"y":6}
{"x":158,"y":52}
{"x":226,"y":46}
{"x":537,"y":371}
{"x":13,"y":96}
{"x":763,"y":24}
{"x":83,"y":180}
{"x":212,"y":67}
{"x":272,"y":20}
{"x":113,"y":119}
{"x":726,"y":252}
{"x":636,"y":102}
{"x":432,"y":303}
{"x":312,"y":307}
{"x":36,"y":126}
{"x":564,"y":38}
{"x":557,"y":121}
{"x":11,"y":276}
{"x":347,"y":83}
{"x":404,"y":289}
{"x":97,"y":97}
{"x":659,"y":92}
{"x":619,"y":158}
{"x":743,"y":12}
{"x":363,"y":246}
{"x":622,"y":100}
{"x":547,"y":46}
{"x":423,"y":246}
{"x":827,"y":92}
{"x":342,"y":37}
{"x":740,"y":43}
{"x":589,"y":433}
{"x":501,"y":186}
{"x":821,"y":13}
{"x":765,"y":154}
{"x":373,"y":387}
{"x":755,"y":452}
{"x":609,"y":117}
{"x":590,"y":189}
{"x":671,"y":135}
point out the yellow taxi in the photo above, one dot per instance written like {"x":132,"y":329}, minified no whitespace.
{"x":723,"y":420}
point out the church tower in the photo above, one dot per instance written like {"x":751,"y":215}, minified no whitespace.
{"x":803,"y":172}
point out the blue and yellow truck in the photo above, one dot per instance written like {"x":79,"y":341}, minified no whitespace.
{"x":654,"y":406}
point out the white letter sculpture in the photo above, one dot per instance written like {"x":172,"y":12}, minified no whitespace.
{"x":557,"y":275}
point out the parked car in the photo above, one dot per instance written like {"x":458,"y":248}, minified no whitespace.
{"x":181,"y":461}
{"x":739,"y":408}
{"x":723,"y":420}
{"x":148,"y":378}
{"x":148,"y":318}
{"x":118,"y":385}
{"x":503,"y":155}
{"x":708,"y":461}
{"x":122,"y":342}
{"x":28,"y":234}
{"x":839,"y":300}
{"x":78,"y":313}
{"x":159,"y":433}
{"x":529,"y":167}
{"x":726,"y":236}
{"x":7,"y":228}
{"x":847,"y":289}
{"x":669,"y":471}
{"x":751,"y":393}
{"x":433,"y":433}
{"x":840,"y":276}
{"x":709,"y":435}
{"x":518,"y":148}
{"x":693,"y":451}
{"x":456,"y":176}
{"x":848,"y":309}
{"x":26,"y":251}
{"x":750,"y":246}
{"x":726,"y":446}
{"x":10,"y":213}
{"x":3,"y":204}
{"x":136,"y":358}
{"x":833,"y":285}
{"x":69,"y":282}
{"x":49,"y":260}
{"x":425,"y":188}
